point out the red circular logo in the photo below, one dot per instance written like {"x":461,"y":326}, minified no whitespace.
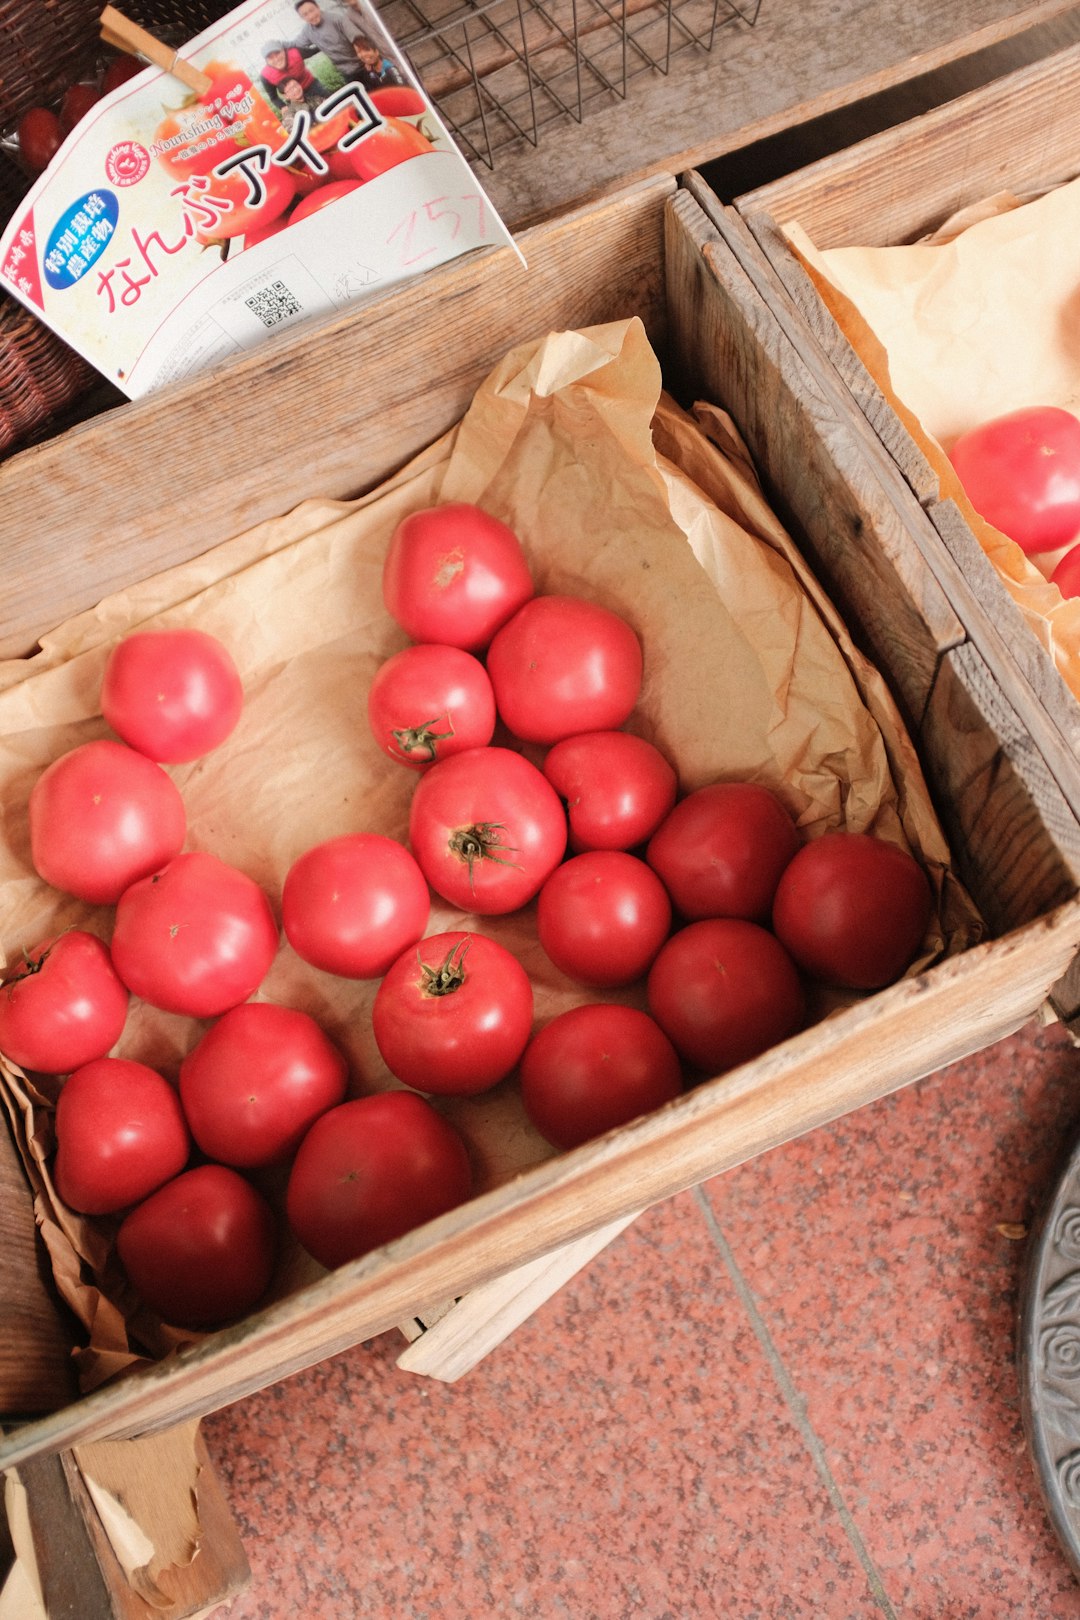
{"x":126,"y":163}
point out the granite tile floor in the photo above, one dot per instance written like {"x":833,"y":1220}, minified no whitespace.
{"x":791,"y":1392}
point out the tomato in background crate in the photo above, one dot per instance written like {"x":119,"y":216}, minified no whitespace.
{"x":722,"y":849}
{"x":618,"y":788}
{"x":453,"y":1014}
{"x":197,"y":937}
{"x":369,"y":1171}
{"x":118,"y":71}
{"x":852,"y":910}
{"x":602,"y":916}
{"x":120,"y":1133}
{"x":62,"y":1005}
{"x":201,"y":1250}
{"x":172,"y":694}
{"x":39,"y":138}
{"x":101,"y":817}
{"x":594,"y":1068}
{"x":453,"y":574}
{"x":563,"y":665}
{"x":724,"y":991}
{"x":428,"y":702}
{"x":352,"y":904}
{"x":487,"y":829}
{"x":257,"y":1081}
{"x":1021,"y":472}
{"x":77,"y":102}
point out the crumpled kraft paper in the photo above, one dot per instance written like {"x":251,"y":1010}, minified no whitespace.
{"x":749,"y":674}
{"x":979,"y":319}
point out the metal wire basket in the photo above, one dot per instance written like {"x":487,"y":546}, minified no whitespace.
{"x":503,"y":70}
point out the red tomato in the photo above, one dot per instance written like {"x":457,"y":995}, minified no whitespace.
{"x":393,"y":143}
{"x":257,"y":1081}
{"x":352,"y":904}
{"x":561,"y":666}
{"x":369,"y":1171}
{"x":618,"y":788}
{"x":398,"y":101}
{"x":77,"y":102}
{"x":594,"y":1068}
{"x":201,"y":1249}
{"x":1021,"y":472}
{"x":39,"y":136}
{"x":1066,"y":575}
{"x":722,"y":849}
{"x":201,"y":147}
{"x":101,"y":817}
{"x":487,"y":829}
{"x":172,"y":694}
{"x":428,"y":702}
{"x":198,"y":937}
{"x":454,"y":574}
{"x":852,"y":909}
{"x":119,"y":71}
{"x":602,"y":917}
{"x":120,"y":1134}
{"x":723,"y":991}
{"x":320,"y":196}
{"x":452,"y":1016}
{"x":242,"y":217}
{"x":62,"y":1005}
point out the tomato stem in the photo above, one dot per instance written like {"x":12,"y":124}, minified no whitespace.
{"x":421,"y":739}
{"x":482,"y":842}
{"x":450,"y":974}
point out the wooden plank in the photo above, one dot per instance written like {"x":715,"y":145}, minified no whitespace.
{"x":454,"y":1340}
{"x":35,"y":1351}
{"x":327,"y":410}
{"x":1018,"y":133}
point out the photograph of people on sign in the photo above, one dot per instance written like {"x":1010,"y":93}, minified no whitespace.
{"x":177,"y":226}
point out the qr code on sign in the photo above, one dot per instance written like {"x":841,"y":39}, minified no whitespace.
{"x":273,"y":304}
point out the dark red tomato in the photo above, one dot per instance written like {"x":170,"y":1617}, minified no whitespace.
{"x":62,"y":1005}
{"x":1021,"y":472}
{"x":453,"y":574}
{"x":487,"y":829}
{"x":198,"y":937}
{"x":369,"y":1171}
{"x":594,"y":1068}
{"x":101,"y":817}
{"x":395,"y":142}
{"x":201,"y":1249}
{"x":39,"y":136}
{"x":172,"y":694}
{"x":723,"y":991}
{"x":602,"y":917}
{"x":351,"y":905}
{"x":398,"y":101}
{"x":120,"y":1134}
{"x":119,"y":71}
{"x":1066,"y":575}
{"x":77,"y":102}
{"x":452,"y":1016}
{"x":852,"y":910}
{"x":257,"y":1081}
{"x":428,"y":702}
{"x":722,"y":849}
{"x":561,"y":666}
{"x":618,"y":788}
{"x":320,"y":196}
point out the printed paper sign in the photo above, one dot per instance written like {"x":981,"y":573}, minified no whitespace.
{"x":175,"y":228}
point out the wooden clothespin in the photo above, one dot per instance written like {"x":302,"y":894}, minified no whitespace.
{"x":120,"y":32}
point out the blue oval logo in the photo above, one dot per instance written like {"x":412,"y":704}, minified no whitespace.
{"x":80,"y":236}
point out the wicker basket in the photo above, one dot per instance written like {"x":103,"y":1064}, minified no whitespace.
{"x":49,"y":44}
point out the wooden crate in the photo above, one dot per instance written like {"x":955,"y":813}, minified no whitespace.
{"x":650,"y":251}
{"x":1020,"y":133}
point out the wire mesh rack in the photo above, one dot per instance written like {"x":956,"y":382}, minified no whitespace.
{"x":502,"y":71}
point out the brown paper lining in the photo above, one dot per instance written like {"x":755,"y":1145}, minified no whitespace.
{"x":749,"y":674}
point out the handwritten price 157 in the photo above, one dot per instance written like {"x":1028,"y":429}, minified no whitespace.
{"x":435,"y":219}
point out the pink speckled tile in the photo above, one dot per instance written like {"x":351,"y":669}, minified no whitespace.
{"x":628,"y":1452}
{"x":872,"y":1252}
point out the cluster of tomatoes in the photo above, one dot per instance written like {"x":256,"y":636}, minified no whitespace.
{"x":711,"y":901}
{"x":41,"y":131}
{"x":1021,"y":472}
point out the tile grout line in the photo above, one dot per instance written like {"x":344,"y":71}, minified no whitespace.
{"x":795,"y":1403}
